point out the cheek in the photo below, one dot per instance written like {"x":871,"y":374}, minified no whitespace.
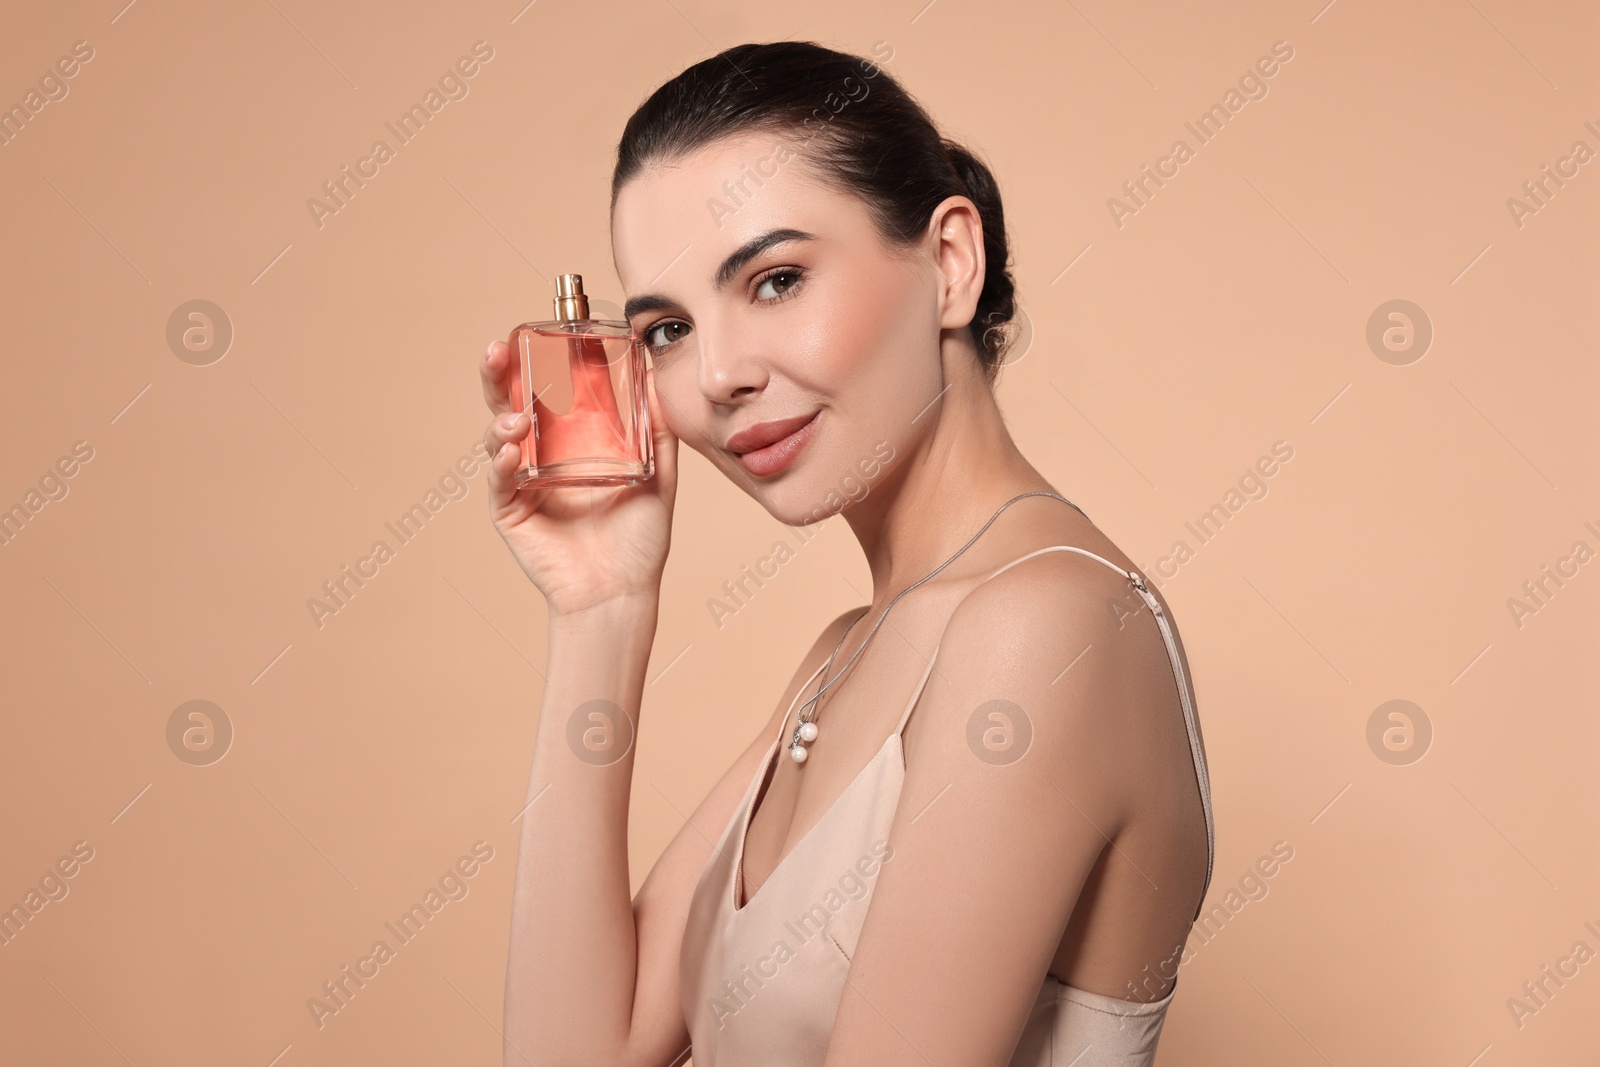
{"x":680,"y":398}
{"x":870,"y":333}
{"x":879,"y":357}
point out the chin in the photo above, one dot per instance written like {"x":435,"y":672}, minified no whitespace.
{"x":809,"y":498}
{"x":793,"y":505}
{"x":800,"y":514}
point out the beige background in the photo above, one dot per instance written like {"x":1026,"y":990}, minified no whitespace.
{"x":1229,"y":313}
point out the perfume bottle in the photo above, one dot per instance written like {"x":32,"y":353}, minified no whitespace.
{"x":582,"y":383}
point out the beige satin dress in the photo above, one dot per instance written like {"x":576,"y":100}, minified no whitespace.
{"x":762,"y":980}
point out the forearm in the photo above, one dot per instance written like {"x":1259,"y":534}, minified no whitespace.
{"x":571,"y":968}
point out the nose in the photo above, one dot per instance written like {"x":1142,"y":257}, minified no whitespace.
{"x":729,"y":367}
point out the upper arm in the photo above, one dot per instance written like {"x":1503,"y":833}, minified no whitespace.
{"x":658,"y":1034}
{"x":1013,"y":789}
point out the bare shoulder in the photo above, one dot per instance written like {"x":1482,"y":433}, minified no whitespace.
{"x":1043,"y":602}
{"x":1076,"y":583}
{"x":1059,"y":652}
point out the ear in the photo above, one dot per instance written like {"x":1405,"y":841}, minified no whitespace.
{"x":955,"y":235}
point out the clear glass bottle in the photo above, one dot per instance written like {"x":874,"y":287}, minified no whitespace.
{"x":582,"y":382}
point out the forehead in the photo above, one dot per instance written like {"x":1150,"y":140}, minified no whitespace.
{"x":674,"y":222}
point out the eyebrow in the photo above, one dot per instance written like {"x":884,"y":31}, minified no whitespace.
{"x":725,"y":272}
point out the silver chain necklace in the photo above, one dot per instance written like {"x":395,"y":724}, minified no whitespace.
{"x":805,"y":730}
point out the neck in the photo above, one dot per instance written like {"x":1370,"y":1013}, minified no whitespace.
{"x":951,"y":483}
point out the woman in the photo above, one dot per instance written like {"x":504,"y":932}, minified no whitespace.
{"x":1007,"y":875}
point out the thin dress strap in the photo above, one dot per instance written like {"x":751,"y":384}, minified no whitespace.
{"x":1185,"y":696}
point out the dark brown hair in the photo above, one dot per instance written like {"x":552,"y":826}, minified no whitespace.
{"x":862,"y":133}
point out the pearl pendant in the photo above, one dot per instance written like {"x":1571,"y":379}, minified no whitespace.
{"x":805,"y":732}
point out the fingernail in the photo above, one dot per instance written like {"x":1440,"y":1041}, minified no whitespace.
{"x":510,"y":420}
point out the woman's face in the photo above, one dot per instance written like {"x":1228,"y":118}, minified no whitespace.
{"x":767,"y":297}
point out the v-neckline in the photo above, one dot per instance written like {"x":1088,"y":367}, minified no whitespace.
{"x":748,"y":816}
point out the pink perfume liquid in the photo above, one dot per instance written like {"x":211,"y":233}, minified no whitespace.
{"x":582,"y":383}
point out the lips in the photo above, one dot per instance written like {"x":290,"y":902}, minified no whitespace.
{"x":779,"y":443}
{"x":763,"y":434}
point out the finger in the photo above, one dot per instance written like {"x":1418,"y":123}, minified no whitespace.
{"x":494,"y":371}
{"x":505,"y":456}
{"x":664,"y":442}
{"x":510,"y":426}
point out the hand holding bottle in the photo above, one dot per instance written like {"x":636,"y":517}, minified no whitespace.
{"x":582,"y":546}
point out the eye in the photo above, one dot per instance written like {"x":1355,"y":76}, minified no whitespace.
{"x":664,"y":334}
{"x":779,"y":284}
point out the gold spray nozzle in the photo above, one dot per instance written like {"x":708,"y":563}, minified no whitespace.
{"x":571,"y":304}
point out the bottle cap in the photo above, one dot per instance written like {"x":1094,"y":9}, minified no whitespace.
{"x":571,"y":304}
